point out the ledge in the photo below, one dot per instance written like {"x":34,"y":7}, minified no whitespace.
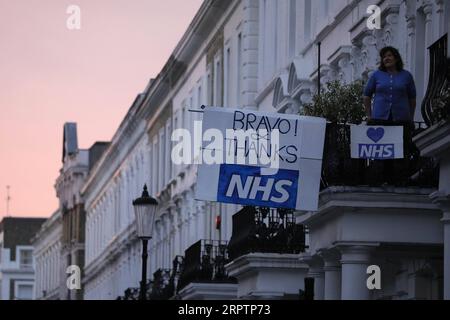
{"x":268,"y":275}
{"x":209,"y":291}
{"x":256,"y":261}
{"x":356,"y":198}
{"x":435,"y":140}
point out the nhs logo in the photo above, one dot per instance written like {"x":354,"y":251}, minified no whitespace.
{"x":376,"y":142}
{"x":246,"y":185}
{"x":376,"y":151}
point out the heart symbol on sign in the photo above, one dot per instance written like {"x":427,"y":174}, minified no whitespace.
{"x":375,"y":134}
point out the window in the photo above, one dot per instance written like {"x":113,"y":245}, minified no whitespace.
{"x":227,"y":77}
{"x":275,"y":31}
{"x":199,"y":98}
{"x":154,"y":176}
{"x":307,"y":21}
{"x":420,"y":64}
{"x":217,"y":91}
{"x":292,"y":27}
{"x":26,"y":258}
{"x":323,"y":10}
{"x":24,"y":292}
{"x":239,"y":70}
{"x":168,"y":161}
{"x":161,"y":159}
{"x":174,"y":170}
{"x":188,"y":113}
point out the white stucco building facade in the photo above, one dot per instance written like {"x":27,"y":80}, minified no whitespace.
{"x":263,"y":55}
{"x":47,"y":254}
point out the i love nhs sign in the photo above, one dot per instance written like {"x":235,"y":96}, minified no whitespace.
{"x":295,"y":149}
{"x":376,"y":142}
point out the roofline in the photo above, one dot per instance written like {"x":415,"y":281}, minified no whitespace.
{"x":182,"y":50}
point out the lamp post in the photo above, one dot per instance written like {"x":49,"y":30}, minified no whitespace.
{"x":145,"y":212}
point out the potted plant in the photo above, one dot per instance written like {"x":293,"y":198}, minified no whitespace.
{"x":341,"y":104}
{"x":338,"y":103}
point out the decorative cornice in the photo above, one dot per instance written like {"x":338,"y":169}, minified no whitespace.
{"x":442,"y":200}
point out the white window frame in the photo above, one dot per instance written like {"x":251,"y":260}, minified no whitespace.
{"x":19,"y":249}
{"x":18,"y":283}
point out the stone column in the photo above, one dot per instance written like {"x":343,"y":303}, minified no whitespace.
{"x":428,"y":11}
{"x":315,"y":271}
{"x":332,"y":270}
{"x":178,"y":224}
{"x":440,"y":22}
{"x":354,"y":263}
{"x":443,"y":201}
{"x":410,"y":43}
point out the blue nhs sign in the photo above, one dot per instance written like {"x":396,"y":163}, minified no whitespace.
{"x":376,"y":151}
{"x":246,"y":185}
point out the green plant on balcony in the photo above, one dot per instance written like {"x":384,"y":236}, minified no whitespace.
{"x":338,"y":103}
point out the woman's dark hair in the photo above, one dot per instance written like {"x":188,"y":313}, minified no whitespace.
{"x":395,"y":53}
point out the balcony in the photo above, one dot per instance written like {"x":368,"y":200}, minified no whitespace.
{"x":130,"y":294}
{"x":436,"y":103}
{"x":265,"y":230}
{"x":339,"y":169}
{"x":370,"y":209}
{"x":204,"y":275}
{"x":205,"y":262}
{"x":162,"y":286}
{"x":264,"y":249}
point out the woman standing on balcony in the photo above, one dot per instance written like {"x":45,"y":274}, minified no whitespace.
{"x":394,"y":102}
{"x":393,"y":91}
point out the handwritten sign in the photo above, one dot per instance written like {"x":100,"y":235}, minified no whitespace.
{"x":268,"y":159}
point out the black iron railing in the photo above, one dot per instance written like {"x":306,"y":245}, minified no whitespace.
{"x":130,"y":294}
{"x":339,"y":169}
{"x":163,"y":284}
{"x":436,"y":103}
{"x":258,"y":229}
{"x":159,"y":287}
{"x":205,"y":262}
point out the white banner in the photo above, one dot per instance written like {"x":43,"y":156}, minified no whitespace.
{"x":376,"y":142}
{"x":263,"y":159}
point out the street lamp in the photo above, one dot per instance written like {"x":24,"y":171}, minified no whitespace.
{"x":145,"y":212}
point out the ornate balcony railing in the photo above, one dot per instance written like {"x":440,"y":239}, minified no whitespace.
{"x":338,"y":168}
{"x":258,"y":229}
{"x":163,"y":284}
{"x":205,"y":262}
{"x":130,"y":294}
{"x":159,"y":288}
{"x":436,"y":103}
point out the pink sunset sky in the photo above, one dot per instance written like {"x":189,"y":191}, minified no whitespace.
{"x":50,"y":75}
